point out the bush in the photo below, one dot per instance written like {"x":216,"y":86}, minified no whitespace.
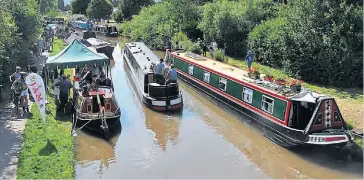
{"x":220,"y":55}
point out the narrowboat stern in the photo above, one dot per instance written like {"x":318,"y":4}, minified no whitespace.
{"x":151,"y":88}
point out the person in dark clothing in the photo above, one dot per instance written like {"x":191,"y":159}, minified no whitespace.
{"x":103,"y":81}
{"x":204,"y":48}
{"x":64,"y":87}
{"x":34,"y":69}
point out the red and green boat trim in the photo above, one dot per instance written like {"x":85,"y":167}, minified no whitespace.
{"x":293,"y":118}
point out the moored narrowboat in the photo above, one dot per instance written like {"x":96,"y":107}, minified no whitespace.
{"x":140,"y":61}
{"x":106,"y":30}
{"x":295,"y":116}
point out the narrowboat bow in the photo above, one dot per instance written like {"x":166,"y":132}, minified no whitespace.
{"x":140,"y":61}
{"x":295,"y":116}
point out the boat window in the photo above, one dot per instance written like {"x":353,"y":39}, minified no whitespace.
{"x":247,"y":95}
{"x":267,"y":104}
{"x":206,"y":76}
{"x":222,"y":84}
{"x":190,"y":69}
{"x":336,"y":117}
{"x":318,"y":119}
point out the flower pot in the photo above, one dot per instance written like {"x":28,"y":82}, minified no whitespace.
{"x":268,"y":78}
{"x":280,"y":82}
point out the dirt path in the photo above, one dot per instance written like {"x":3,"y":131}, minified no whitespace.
{"x":11,"y":131}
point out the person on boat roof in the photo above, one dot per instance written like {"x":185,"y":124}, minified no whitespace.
{"x":249,"y":59}
{"x":172,"y":75}
{"x":159,"y":72}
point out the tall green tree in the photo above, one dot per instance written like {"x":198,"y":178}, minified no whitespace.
{"x":99,"y":9}
{"x":61,"y":4}
{"x":316,"y":40}
{"x":79,"y":6}
{"x":133,"y":7}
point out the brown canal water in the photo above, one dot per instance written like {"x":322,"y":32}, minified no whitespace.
{"x":205,"y":141}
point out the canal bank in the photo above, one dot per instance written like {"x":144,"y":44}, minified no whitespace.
{"x":47,"y":151}
{"x":205,"y":141}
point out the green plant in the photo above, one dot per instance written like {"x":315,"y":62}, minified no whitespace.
{"x":220,"y":55}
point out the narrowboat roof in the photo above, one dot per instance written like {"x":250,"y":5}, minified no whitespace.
{"x":239,"y":75}
{"x":141,"y":54}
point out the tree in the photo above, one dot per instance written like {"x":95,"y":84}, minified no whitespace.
{"x":99,"y":9}
{"x":61,"y":4}
{"x":133,"y":7}
{"x":79,"y":6}
{"x":45,"y":5}
{"x":118,"y":16}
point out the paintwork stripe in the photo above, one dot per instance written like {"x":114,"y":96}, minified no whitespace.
{"x":233,"y":79}
{"x":238,"y":101}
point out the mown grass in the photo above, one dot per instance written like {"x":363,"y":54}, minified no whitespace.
{"x":46,"y":154}
{"x":47,"y":150}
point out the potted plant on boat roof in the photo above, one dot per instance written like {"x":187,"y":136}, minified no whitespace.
{"x":296,"y":85}
{"x":254,"y":73}
{"x":268,"y":77}
{"x":280,"y":81}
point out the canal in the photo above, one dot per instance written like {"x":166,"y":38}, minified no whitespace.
{"x":204,"y":141}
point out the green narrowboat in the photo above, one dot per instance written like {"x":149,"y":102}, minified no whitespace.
{"x":295,"y":117}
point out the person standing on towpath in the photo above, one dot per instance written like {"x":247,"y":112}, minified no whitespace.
{"x":64,"y":88}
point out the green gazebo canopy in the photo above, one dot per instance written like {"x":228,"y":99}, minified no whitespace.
{"x":76,"y":55}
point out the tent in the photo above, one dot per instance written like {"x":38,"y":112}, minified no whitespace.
{"x":76,"y":55}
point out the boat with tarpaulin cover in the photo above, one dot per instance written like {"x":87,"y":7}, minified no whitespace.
{"x":293,"y":115}
{"x":94,"y":107}
{"x":140,"y":62}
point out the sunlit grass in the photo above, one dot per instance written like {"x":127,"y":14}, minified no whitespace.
{"x":47,"y":149}
{"x":58,"y":46}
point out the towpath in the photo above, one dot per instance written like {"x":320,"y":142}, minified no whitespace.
{"x":11,"y":131}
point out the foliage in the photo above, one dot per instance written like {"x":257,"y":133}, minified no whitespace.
{"x":61,"y":4}
{"x":220,"y":55}
{"x":20,"y":22}
{"x":118,"y":16}
{"x":46,"y":5}
{"x":156,"y":23}
{"x":321,"y":43}
{"x":79,"y":6}
{"x":133,"y":7}
{"x":99,"y":9}
{"x":230,"y":22}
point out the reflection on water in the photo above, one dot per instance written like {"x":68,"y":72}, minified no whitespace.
{"x":166,"y":128}
{"x":204,"y":142}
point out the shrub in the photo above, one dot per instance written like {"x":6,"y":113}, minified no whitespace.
{"x":220,"y":55}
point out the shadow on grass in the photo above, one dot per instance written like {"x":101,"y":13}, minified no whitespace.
{"x":48,"y":149}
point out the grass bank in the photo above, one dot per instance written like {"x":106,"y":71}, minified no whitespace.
{"x":47,"y":154}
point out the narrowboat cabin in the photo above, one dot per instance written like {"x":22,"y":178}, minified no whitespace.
{"x":107,"y":30}
{"x":140,"y":62}
{"x":95,"y":107}
{"x":83,"y":25}
{"x":295,"y":115}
